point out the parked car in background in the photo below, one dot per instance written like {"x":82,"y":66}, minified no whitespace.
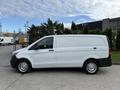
{"x":85,"y":51}
{"x":6,"y":41}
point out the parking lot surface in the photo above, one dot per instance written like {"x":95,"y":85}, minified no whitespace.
{"x":55,"y":79}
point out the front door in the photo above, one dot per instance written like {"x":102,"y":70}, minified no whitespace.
{"x":42,"y":53}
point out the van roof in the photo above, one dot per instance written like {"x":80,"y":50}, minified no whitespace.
{"x":74,"y":35}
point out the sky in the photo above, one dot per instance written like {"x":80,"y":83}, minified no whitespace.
{"x":15,"y":13}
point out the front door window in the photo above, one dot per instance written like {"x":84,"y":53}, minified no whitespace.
{"x":46,"y":43}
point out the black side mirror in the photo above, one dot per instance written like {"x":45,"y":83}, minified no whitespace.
{"x":36,"y":48}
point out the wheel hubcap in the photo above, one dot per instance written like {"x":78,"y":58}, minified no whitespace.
{"x":91,"y":67}
{"x":23,"y":67}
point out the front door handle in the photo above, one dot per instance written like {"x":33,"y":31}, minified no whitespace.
{"x":51,"y":50}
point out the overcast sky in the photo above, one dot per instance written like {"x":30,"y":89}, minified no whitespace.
{"x":14,"y":13}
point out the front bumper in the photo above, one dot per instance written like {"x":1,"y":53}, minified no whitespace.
{"x":13,"y":61}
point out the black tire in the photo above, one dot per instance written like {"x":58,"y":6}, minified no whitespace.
{"x":23,"y":66}
{"x":91,"y":67}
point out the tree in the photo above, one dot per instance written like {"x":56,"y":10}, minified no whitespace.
{"x":74,"y":29}
{"x":32,"y":33}
{"x":67,"y":31}
{"x":59,"y":28}
{"x":85,"y":30}
{"x":48,"y":28}
{"x":51,"y":26}
{"x":108,"y":33}
{"x":118,"y":41}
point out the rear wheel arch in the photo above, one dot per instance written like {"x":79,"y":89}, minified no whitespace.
{"x":91,"y":59}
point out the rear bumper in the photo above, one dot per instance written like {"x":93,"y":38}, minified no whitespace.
{"x":13,"y":61}
{"x":105,"y":62}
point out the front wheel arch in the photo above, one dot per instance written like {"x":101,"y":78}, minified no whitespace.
{"x":18,"y":60}
{"x":23,"y":60}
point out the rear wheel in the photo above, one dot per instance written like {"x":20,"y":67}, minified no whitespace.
{"x":23,"y":66}
{"x":91,"y":67}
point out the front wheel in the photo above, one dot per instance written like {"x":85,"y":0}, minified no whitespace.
{"x":23,"y":66}
{"x":91,"y":67}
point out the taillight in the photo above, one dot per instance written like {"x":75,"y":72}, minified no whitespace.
{"x":110,"y":51}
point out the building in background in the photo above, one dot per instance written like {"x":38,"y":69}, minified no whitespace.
{"x":113,"y":23}
{"x":7,"y":34}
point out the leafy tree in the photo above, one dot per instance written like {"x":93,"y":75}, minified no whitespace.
{"x":74,"y":29}
{"x":62,"y":26}
{"x":118,"y":41}
{"x":48,"y":28}
{"x":67,"y":31}
{"x":59,"y":28}
{"x":85,"y":30}
{"x":108,"y":33}
{"x":53,"y":27}
{"x":32,"y":33}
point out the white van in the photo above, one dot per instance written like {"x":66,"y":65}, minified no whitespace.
{"x":6,"y":41}
{"x":85,"y":51}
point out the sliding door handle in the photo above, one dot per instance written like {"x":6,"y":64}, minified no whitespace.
{"x":94,"y":48}
{"x":51,"y":50}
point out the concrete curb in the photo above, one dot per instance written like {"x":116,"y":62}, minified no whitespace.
{"x":116,"y":63}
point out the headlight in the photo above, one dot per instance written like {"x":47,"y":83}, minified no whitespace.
{"x":14,"y":53}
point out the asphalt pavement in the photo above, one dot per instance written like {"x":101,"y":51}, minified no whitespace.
{"x":107,"y":78}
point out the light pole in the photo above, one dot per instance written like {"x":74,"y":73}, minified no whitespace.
{"x":0,"y":29}
{"x":55,"y":31}
{"x":26,"y":27}
{"x":14,"y":37}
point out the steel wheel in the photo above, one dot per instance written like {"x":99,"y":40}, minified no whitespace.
{"x":23,"y":67}
{"x":91,"y":67}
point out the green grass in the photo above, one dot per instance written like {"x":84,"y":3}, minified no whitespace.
{"x":116,"y":56}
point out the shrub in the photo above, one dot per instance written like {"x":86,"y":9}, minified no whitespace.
{"x":108,"y":33}
{"x":118,"y":41}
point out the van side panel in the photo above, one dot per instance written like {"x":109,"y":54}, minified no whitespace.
{"x":74,"y":50}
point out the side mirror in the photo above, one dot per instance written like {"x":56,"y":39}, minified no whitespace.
{"x":36,"y":48}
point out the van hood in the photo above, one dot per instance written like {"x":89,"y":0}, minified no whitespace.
{"x":17,"y":51}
